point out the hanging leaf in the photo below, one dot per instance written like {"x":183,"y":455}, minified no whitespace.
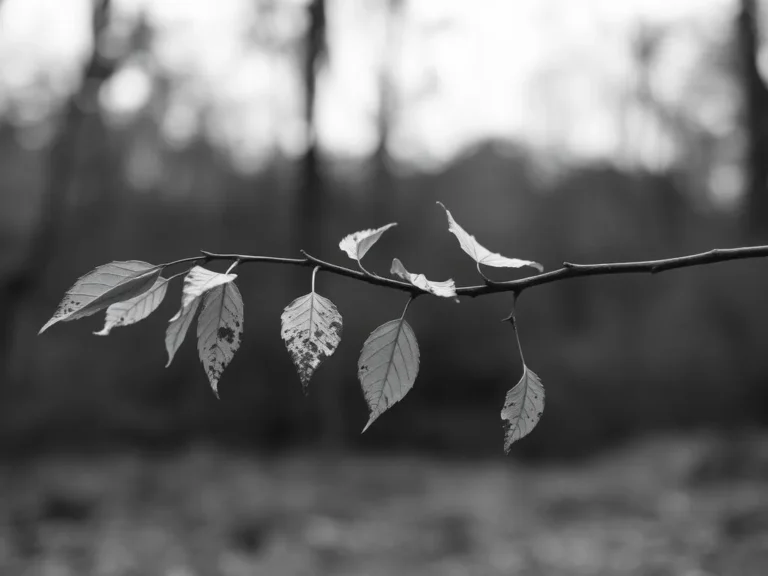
{"x":522,"y":408}
{"x":135,"y":309}
{"x":479,"y":253}
{"x":196,"y":283}
{"x":446,"y":289}
{"x":102,"y":287}
{"x":177,"y":328}
{"x":311,"y":329}
{"x":219,"y":330}
{"x":388,"y":365}
{"x":356,"y":245}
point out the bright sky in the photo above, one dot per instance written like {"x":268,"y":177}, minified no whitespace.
{"x":552,"y":73}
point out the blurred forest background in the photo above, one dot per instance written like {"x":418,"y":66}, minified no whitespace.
{"x":586,"y":131}
{"x":554,"y":130}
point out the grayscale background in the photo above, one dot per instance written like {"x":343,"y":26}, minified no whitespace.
{"x":554,"y":130}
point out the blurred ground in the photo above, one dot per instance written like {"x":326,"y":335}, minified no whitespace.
{"x":688,"y":506}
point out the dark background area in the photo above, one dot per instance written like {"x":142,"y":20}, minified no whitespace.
{"x":127,"y":150}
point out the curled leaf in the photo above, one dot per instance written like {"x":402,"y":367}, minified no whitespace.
{"x":311,"y":328}
{"x":196,"y":283}
{"x":446,"y":289}
{"x":219,"y":330}
{"x":481,"y":254}
{"x":199,"y":280}
{"x":102,"y":287}
{"x":522,"y":408}
{"x":388,"y":365}
{"x":356,"y":245}
{"x":135,"y":309}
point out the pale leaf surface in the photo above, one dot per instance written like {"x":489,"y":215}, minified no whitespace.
{"x":388,"y":365}
{"x":357,"y":244}
{"x":135,"y":309}
{"x":446,"y":289}
{"x":199,"y":280}
{"x":177,"y":328}
{"x":219,"y":330}
{"x":102,"y":287}
{"x":522,"y":408}
{"x":480,"y":253}
{"x":196,"y":283}
{"x":311,"y":328}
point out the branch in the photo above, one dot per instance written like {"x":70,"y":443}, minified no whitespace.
{"x":569,"y":270}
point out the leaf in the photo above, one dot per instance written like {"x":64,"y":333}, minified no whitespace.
{"x":479,"y":253}
{"x":311,"y":328}
{"x":446,"y":289}
{"x":522,"y":408}
{"x":102,"y":287}
{"x":177,"y":329}
{"x":199,"y":280}
{"x":356,"y":245}
{"x":219,"y":330}
{"x":196,"y":283}
{"x":388,"y":365}
{"x":135,"y":309}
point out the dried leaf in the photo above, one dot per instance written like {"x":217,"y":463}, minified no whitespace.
{"x":479,"y":253}
{"x":356,"y":245}
{"x":446,"y":289}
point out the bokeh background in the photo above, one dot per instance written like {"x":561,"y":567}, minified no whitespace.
{"x":586,"y":131}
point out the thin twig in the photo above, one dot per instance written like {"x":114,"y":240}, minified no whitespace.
{"x":569,"y":270}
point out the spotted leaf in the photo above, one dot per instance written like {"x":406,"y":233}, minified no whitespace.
{"x":102,"y":287}
{"x":219,"y":330}
{"x":311,"y":328}
{"x":197,"y":282}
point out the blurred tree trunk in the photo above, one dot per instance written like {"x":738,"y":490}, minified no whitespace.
{"x":23,"y":284}
{"x":755,"y":119}
{"x":383,"y":205}
{"x":312,"y":209}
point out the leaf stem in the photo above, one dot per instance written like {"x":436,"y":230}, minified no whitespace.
{"x":182,"y":273}
{"x":512,"y":320}
{"x":485,"y":278}
{"x":184,"y":260}
{"x":314,"y":273}
{"x":411,"y":299}
{"x":364,"y":271}
{"x":232,"y":267}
